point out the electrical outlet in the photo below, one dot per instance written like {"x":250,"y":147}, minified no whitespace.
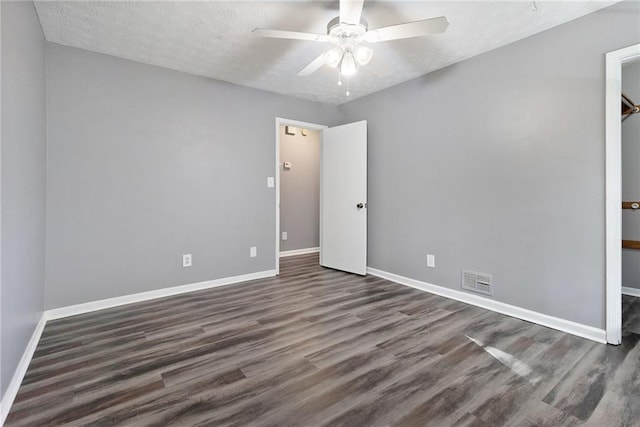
{"x":253,"y":252}
{"x":284,"y":235}
{"x":271,"y":182}
{"x":431,"y":261}
{"x":186,"y":260}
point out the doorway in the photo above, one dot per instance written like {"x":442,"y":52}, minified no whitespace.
{"x":613,"y":180}
{"x":297,"y":142}
{"x":342,"y":193}
{"x":299,"y":191}
{"x":630,"y":132}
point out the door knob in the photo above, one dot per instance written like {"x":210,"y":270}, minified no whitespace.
{"x":360,"y":205}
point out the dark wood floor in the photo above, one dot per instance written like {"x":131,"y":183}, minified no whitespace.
{"x":320,"y":347}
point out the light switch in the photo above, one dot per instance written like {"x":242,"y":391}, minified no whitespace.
{"x":431,"y":261}
{"x":271,"y":182}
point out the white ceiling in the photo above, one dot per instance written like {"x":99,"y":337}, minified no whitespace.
{"x":214,"y":38}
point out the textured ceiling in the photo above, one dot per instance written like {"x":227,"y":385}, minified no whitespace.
{"x":214,"y":38}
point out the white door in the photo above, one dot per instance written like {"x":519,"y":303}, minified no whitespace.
{"x":343,"y":198}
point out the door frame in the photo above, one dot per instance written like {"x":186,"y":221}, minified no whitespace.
{"x":613,"y":187}
{"x":296,"y":123}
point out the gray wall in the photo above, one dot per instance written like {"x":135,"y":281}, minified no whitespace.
{"x":496,"y":164}
{"x":631,"y":176}
{"x":146,"y":164}
{"x":300,"y":190}
{"x":23,"y":180}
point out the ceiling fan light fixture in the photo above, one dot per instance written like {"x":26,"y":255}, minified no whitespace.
{"x":333,"y":56}
{"x":362,"y":54}
{"x":348,"y":67}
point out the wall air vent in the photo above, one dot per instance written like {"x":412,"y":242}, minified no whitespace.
{"x":477,"y":282}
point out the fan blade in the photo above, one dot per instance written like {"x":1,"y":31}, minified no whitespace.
{"x":408,"y":30}
{"x":291,"y":35}
{"x":350,"y":11}
{"x":317,"y":63}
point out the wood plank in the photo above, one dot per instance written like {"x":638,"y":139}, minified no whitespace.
{"x":631,"y":244}
{"x":316,"y":346}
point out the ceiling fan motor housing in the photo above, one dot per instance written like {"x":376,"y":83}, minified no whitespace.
{"x":343,"y":30}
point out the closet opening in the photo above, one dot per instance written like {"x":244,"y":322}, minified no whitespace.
{"x":616,"y":107}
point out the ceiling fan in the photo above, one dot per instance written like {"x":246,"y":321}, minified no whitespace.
{"x":348,"y":33}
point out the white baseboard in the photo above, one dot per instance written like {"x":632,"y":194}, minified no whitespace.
{"x":574,"y":328}
{"x":72,"y":310}
{"x":563,"y":325}
{"x":58,"y":313}
{"x":21,"y":370}
{"x":634,"y":292}
{"x":299,"y":252}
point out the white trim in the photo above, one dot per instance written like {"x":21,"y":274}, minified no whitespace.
{"x":295,"y":252}
{"x":288,"y":122}
{"x":633,"y":292}
{"x":58,"y":313}
{"x":613,"y":184}
{"x":72,"y":310}
{"x":563,"y":325}
{"x":21,"y":370}
{"x":3,"y":404}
